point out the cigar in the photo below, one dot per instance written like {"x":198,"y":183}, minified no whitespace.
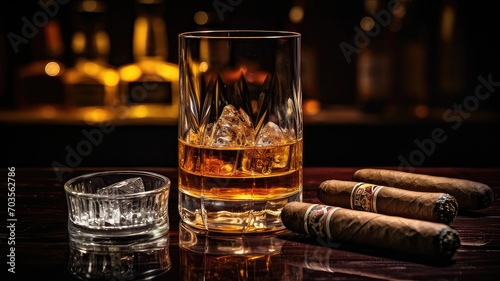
{"x":423,"y":239}
{"x":470,"y":195}
{"x":430,"y":206}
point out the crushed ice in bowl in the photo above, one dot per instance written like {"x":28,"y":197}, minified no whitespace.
{"x":128,"y":186}
{"x":122,"y":212}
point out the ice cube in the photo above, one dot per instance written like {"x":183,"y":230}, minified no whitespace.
{"x":233,"y":129}
{"x":119,"y":213}
{"x":272,"y":152}
{"x":128,"y":186}
{"x":271,"y":135}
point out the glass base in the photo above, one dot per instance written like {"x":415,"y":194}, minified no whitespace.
{"x":126,"y":236}
{"x":234,"y":216}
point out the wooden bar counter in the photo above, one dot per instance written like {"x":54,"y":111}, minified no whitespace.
{"x":35,"y":242}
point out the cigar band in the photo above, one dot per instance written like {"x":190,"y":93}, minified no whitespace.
{"x":364,"y":197}
{"x":317,"y":220}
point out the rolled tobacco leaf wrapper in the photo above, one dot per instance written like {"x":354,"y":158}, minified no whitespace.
{"x":429,"y":206}
{"x":470,"y":195}
{"x":423,"y":239}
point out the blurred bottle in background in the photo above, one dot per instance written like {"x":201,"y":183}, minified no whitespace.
{"x":451,"y":55}
{"x":411,"y":94}
{"x":149,"y":86}
{"x":375,"y":59}
{"x":300,"y":18}
{"x":91,"y":81}
{"x":39,"y":83}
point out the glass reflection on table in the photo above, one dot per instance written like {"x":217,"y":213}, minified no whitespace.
{"x":137,"y":261}
{"x":221,"y":256}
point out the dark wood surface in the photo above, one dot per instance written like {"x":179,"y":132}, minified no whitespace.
{"x":42,"y":245}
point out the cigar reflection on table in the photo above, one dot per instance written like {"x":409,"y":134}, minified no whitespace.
{"x":330,"y":259}
{"x":217,"y":256}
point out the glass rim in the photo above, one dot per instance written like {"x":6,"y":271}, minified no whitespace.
{"x":70,"y":190}
{"x":239,"y":34}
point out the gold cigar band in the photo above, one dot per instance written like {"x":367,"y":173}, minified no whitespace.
{"x":364,"y":197}
{"x":318,"y":217}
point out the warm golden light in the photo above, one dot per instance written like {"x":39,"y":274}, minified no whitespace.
{"x":95,"y":115}
{"x":167,"y":70}
{"x":89,"y":5}
{"x":140,"y":111}
{"x":201,"y":18}
{"x":130,"y":73}
{"x":146,"y":29}
{"x":52,"y":68}
{"x":102,"y":42}
{"x":367,"y":23}
{"x":90,"y":68}
{"x":78,"y":42}
{"x":311,"y":107}
{"x":203,"y":66}
{"x":110,"y":77}
{"x":204,"y":49}
{"x":140,"y":34}
{"x":296,"y":14}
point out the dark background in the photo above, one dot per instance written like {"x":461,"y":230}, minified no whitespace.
{"x":362,"y":141}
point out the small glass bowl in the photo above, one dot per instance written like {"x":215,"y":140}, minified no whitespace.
{"x":117,"y":218}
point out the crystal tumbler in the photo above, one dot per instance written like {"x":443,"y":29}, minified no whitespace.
{"x":240,"y":128}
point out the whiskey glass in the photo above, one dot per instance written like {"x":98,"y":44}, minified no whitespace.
{"x":240,"y":128}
